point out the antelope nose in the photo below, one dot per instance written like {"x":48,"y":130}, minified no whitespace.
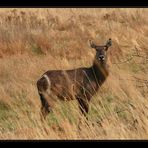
{"x":101,"y":57}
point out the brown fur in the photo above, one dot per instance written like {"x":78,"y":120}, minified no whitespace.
{"x":80,"y":84}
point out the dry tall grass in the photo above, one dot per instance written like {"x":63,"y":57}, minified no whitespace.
{"x":33,"y":41}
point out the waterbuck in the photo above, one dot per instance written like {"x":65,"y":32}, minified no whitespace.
{"x":80,"y":84}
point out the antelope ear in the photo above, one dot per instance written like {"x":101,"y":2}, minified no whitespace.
{"x":108,"y":44}
{"x":92,"y":45}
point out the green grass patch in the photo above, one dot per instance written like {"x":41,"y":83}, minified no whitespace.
{"x":66,"y":110}
{"x":7,"y":117}
{"x":36,"y":49}
{"x":101,"y":108}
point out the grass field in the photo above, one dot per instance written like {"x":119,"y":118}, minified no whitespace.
{"x":33,"y":41}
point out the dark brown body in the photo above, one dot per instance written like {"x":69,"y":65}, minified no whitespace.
{"x":80,"y":84}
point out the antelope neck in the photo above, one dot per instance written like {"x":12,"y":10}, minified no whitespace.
{"x":100,"y":70}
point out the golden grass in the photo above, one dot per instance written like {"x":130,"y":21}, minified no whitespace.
{"x":33,"y":41}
